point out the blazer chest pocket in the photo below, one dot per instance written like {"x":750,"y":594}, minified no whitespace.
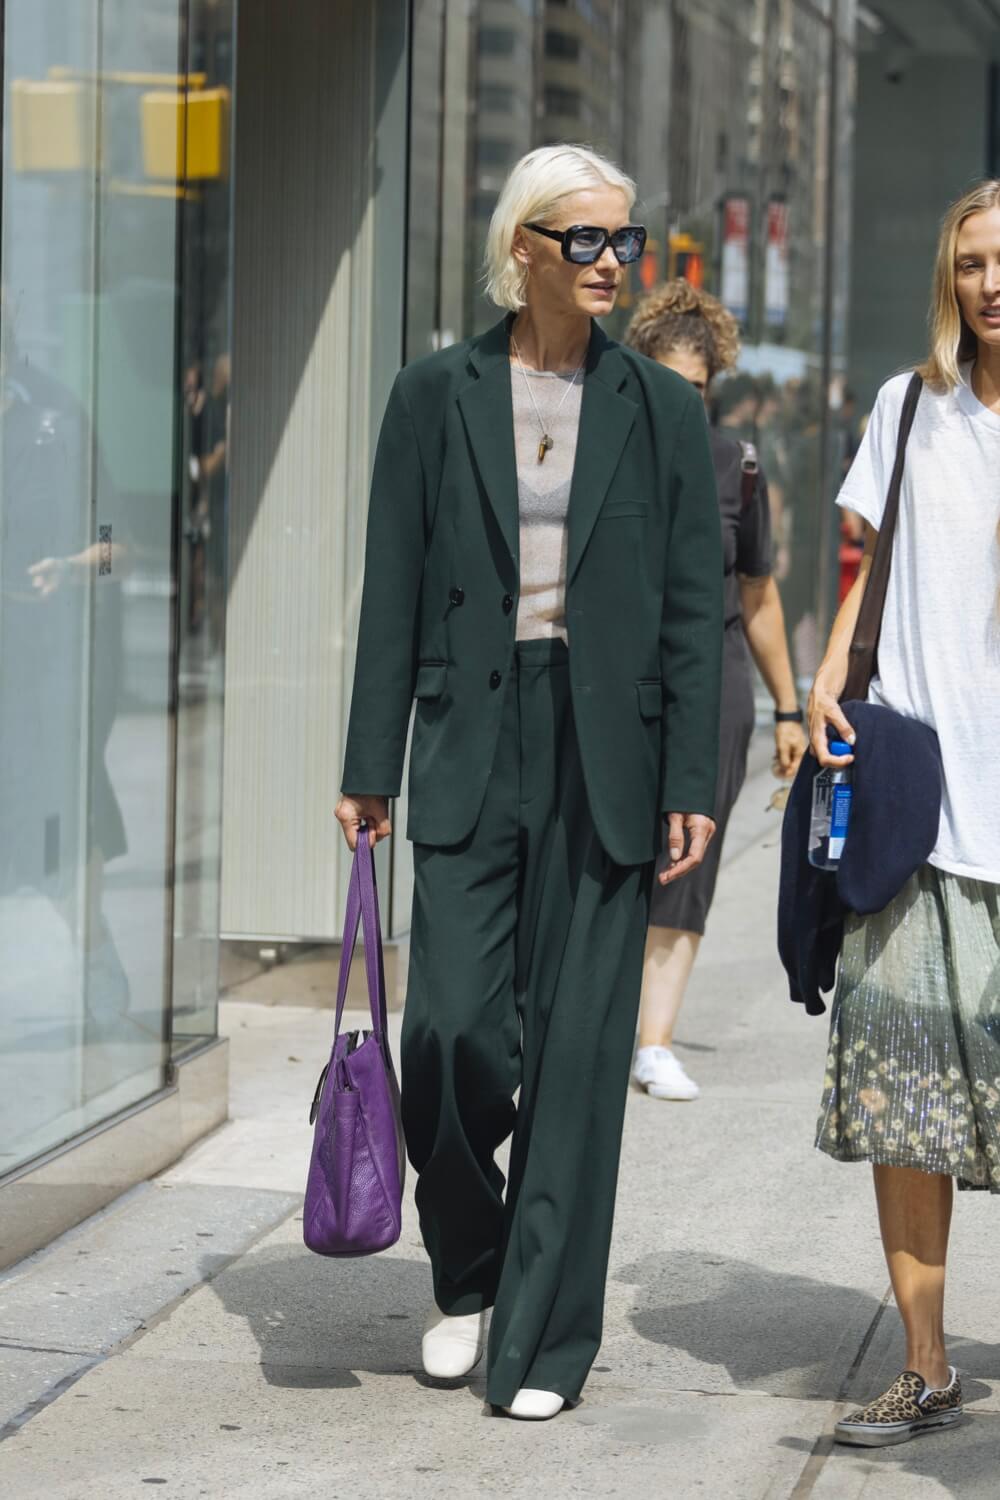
{"x":614,"y":510}
{"x":650,"y":698}
{"x":431,"y":679}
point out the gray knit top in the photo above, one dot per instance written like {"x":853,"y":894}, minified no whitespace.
{"x":543,"y":495}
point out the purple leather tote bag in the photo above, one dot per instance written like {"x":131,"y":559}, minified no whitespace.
{"x":355,"y":1188}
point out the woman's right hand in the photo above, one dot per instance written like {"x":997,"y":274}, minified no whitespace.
{"x":824,"y":710}
{"x":351,"y":812}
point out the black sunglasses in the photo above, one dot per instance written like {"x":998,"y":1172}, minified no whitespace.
{"x":583,"y":244}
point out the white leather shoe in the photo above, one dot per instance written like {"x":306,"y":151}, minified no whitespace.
{"x":535,"y":1406}
{"x":451,"y":1347}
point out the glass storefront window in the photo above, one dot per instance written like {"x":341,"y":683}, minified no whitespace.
{"x":112,"y":154}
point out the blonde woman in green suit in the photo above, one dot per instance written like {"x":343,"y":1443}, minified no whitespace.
{"x":544,"y":579}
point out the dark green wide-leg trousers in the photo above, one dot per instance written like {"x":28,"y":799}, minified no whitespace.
{"x":525,"y":971}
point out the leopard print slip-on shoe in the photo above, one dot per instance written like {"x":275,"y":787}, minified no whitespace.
{"x":905,"y":1409}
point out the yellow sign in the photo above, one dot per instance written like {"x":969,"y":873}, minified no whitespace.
{"x":53,"y":126}
{"x":185,"y":135}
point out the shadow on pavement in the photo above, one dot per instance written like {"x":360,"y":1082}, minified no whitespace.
{"x":758,"y":1323}
{"x":316,"y":1320}
{"x":753,"y":1322}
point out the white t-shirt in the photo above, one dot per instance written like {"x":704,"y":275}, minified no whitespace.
{"x":939,"y":652}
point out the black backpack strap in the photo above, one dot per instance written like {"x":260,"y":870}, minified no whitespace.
{"x":749,"y":473}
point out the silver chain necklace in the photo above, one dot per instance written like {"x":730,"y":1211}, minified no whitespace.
{"x":545,"y":442}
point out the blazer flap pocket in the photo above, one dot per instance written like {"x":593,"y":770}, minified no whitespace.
{"x":650,"y":699}
{"x":431,"y":678}
{"x":613,"y":509}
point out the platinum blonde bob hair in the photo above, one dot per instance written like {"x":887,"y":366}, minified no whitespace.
{"x":536,"y":186}
{"x":953,"y":342}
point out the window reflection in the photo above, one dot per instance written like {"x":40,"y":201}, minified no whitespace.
{"x":203,"y":481}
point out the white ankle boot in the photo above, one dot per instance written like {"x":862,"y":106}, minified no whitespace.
{"x":451,"y":1347}
{"x":535,"y":1406}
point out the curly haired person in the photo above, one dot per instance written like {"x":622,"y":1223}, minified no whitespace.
{"x":691,"y":332}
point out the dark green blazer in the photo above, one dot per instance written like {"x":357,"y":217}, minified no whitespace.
{"x":643,"y":593}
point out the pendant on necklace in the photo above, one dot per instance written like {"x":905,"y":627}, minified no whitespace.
{"x":543,"y":447}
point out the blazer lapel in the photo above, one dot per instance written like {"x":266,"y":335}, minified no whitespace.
{"x":606,"y":419}
{"x":488,"y":413}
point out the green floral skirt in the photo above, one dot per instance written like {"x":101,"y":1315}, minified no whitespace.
{"x":913,"y":1071}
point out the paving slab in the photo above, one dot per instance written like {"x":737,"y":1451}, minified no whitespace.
{"x":268,"y":1154}
{"x":276,"y":1056}
{"x":99,"y":1283}
{"x":234,"y":1427}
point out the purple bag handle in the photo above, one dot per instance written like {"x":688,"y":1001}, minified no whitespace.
{"x":362,"y":910}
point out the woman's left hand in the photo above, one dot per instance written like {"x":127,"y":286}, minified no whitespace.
{"x":697,"y":832}
{"x":790,"y":744}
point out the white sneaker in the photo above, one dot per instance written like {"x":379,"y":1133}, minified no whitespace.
{"x":662,"y":1075}
{"x":451,"y":1347}
{"x":535,"y":1406}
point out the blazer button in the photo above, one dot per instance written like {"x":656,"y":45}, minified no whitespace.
{"x":457,"y":596}
{"x":495,"y":680}
{"x":508,"y":603}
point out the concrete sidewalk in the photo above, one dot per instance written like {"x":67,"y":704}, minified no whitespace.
{"x":186,"y":1339}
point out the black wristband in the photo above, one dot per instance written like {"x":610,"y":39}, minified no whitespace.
{"x":795,"y":716}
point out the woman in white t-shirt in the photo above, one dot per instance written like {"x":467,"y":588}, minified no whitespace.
{"x":913,"y":1074}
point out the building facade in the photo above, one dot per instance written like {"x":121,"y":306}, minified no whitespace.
{"x":225,"y":225}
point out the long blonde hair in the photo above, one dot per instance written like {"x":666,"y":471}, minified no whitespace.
{"x":953,"y":342}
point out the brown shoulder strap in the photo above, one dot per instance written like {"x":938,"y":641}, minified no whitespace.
{"x":861,"y":665}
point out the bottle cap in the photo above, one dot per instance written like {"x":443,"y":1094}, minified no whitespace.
{"x":838,"y":747}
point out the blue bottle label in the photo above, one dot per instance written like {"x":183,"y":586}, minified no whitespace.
{"x":840,"y":813}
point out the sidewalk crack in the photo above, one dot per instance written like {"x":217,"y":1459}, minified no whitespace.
{"x":15,"y":1424}
{"x":824,"y":1444}
{"x":43,"y":1348}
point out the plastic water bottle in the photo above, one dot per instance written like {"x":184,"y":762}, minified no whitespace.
{"x":831,"y":811}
